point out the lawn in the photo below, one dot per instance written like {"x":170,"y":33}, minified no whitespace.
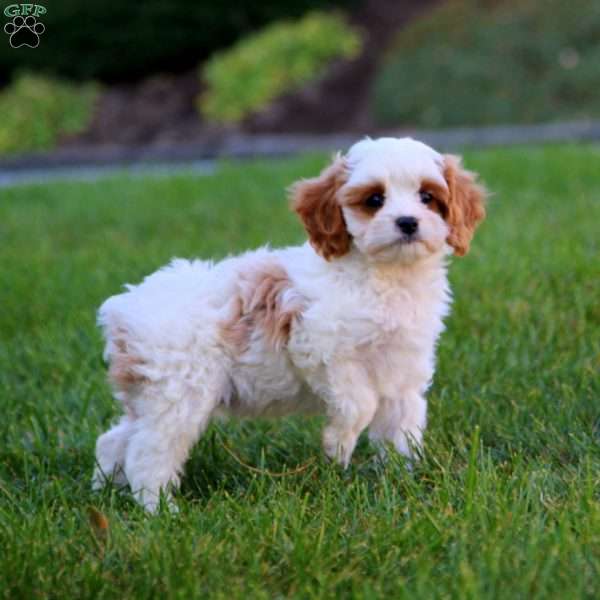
{"x":505,"y":503}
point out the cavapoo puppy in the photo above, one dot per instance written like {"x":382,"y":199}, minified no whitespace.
{"x":345,"y":325}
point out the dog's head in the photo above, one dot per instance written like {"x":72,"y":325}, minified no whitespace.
{"x":393,"y":199}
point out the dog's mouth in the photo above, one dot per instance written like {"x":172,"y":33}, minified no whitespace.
{"x":405,"y":247}
{"x":411,"y":241}
{"x":405,"y":239}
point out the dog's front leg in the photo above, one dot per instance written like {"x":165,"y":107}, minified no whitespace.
{"x":351,"y":404}
{"x":401,"y":421}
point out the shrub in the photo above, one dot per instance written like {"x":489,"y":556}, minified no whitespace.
{"x":276,"y":60}
{"x":36,"y":111}
{"x":112,"y":40}
{"x":479,"y":62}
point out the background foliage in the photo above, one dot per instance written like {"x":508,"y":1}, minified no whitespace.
{"x":117,"y":40}
{"x":493,"y":61}
{"x":273,"y":61}
{"x":36,"y":111}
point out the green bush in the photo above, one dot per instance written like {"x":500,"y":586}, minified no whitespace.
{"x":276,"y":60}
{"x":36,"y":111}
{"x":111,"y":40}
{"x":493,"y":61}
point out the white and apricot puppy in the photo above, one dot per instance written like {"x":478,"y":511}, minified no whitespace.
{"x":344,"y":325}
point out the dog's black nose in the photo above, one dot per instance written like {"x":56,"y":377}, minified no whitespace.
{"x":407,"y":225}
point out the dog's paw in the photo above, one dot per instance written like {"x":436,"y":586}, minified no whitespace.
{"x":154,"y":502}
{"x":339,"y":445}
{"x":24,"y":31}
{"x":409,"y":444}
{"x":100,"y":479}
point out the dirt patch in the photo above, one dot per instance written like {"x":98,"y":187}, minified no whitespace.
{"x":156,"y":110}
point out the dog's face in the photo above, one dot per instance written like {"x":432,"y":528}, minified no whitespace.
{"x":393,"y":199}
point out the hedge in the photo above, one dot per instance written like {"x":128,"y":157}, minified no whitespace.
{"x":271,"y":62}
{"x":37,"y":111}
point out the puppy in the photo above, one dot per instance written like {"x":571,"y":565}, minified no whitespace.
{"x":344,"y":325}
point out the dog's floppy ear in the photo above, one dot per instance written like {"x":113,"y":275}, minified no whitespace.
{"x":465,"y":206}
{"x":316,"y":203}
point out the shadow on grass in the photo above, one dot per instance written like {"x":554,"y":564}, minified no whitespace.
{"x":236,"y":458}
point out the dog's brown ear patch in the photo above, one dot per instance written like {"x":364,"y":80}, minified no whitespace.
{"x":465,"y":204}
{"x":316,"y":203}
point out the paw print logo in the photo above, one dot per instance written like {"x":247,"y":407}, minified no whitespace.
{"x":24,"y":31}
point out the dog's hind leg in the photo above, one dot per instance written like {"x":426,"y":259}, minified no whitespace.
{"x":161,"y":441}
{"x":110,"y":454}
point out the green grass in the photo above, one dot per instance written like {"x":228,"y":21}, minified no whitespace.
{"x":504,"y":505}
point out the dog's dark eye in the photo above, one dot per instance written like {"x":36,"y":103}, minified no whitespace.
{"x":426,"y":197}
{"x":375,"y":200}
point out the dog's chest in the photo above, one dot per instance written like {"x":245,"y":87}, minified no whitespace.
{"x":408,"y":314}
{"x":400,"y":354}
{"x":366,"y":322}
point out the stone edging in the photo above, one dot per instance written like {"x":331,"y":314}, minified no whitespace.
{"x":247,"y":146}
